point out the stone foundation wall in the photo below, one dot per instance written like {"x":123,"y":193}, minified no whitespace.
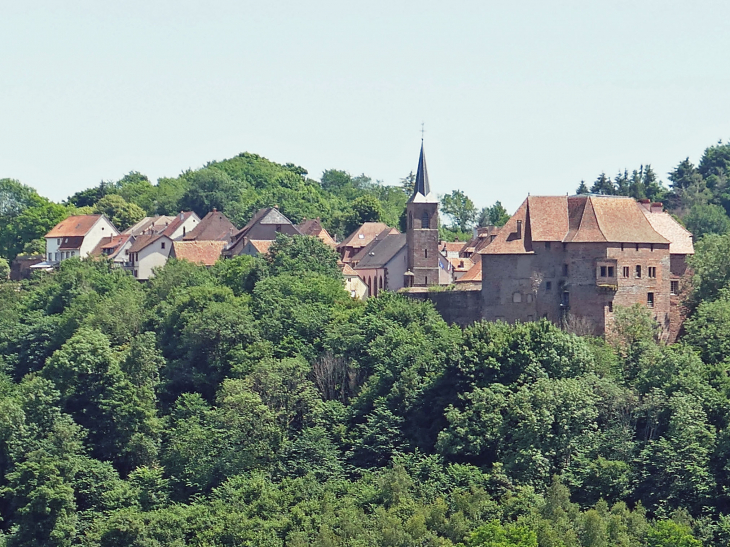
{"x":456,"y":307}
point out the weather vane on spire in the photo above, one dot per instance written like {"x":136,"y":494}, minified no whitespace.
{"x":422,"y":131}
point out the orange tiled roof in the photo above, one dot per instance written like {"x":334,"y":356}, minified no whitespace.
{"x":473,"y":275}
{"x":452,"y":246}
{"x":261,"y":245}
{"x":680,"y":239}
{"x":348,"y":271}
{"x":214,"y":226}
{"x":461,"y":264}
{"x":75,"y":226}
{"x":365,"y":234}
{"x":589,"y":219}
{"x":202,"y":252}
{"x":313,"y":227}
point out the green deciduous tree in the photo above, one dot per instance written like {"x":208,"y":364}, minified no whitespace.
{"x":460,"y":209}
{"x":496,"y":215}
{"x":121,"y":213}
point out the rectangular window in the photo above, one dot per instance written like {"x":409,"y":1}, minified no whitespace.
{"x":603,"y":271}
{"x":162,"y":245}
{"x":638,"y":272}
{"x":627,"y":271}
{"x":610,"y":271}
{"x":425,"y":253}
{"x":675,"y":287}
{"x":58,"y":242}
{"x":652,"y":271}
{"x":565,"y":300}
{"x":548,"y":285}
{"x":650,"y":299}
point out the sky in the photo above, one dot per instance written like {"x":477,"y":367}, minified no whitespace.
{"x":516,"y":97}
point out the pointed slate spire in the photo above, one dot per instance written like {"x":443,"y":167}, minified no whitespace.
{"x":422,"y":186}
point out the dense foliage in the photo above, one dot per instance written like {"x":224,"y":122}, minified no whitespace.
{"x":256,"y":403}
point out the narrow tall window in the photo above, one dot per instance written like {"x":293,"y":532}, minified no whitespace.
{"x":425,"y":253}
{"x":650,"y":299}
{"x":638,"y":271}
{"x":548,"y":285}
{"x":610,"y":306}
{"x":652,"y":271}
{"x":610,"y":271}
{"x":627,"y":271}
{"x":162,"y":245}
{"x":425,"y":221}
{"x":565,"y":269}
{"x":425,"y":280}
{"x":674,"y":287}
{"x":603,"y":271}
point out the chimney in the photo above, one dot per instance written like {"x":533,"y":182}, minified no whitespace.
{"x":215,"y":210}
{"x":645,"y":203}
{"x":657,"y":207}
{"x":519,"y":229}
{"x":182,"y":215}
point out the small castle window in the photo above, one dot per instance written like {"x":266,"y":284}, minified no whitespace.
{"x":627,"y":271}
{"x":425,"y":221}
{"x":425,"y":253}
{"x":603,"y":271}
{"x":548,"y":285}
{"x":516,"y":297}
{"x":674,"y":287}
{"x":638,"y":271}
{"x":650,"y":299}
{"x":162,"y":245}
{"x":652,"y":271}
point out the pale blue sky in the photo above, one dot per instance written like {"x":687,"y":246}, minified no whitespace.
{"x":517,"y":97}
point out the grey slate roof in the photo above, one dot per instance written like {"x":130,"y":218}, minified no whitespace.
{"x":422,"y":189}
{"x":381,"y":251}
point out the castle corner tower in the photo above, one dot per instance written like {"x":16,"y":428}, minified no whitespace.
{"x":422,"y":230}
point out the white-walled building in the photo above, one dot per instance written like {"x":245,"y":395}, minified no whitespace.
{"x":149,"y":251}
{"x":77,"y":236}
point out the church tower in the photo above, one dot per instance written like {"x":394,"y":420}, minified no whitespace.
{"x":422,"y":231}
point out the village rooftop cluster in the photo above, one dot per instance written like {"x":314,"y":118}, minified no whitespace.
{"x":568,"y":259}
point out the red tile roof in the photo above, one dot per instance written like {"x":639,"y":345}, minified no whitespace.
{"x":177,"y":221}
{"x":365,"y":234}
{"x":680,"y":239}
{"x":110,"y":246}
{"x":588,"y":219}
{"x":75,"y":226}
{"x":313,"y":227}
{"x":473,"y":275}
{"x":206,"y":253}
{"x":214,"y":226}
{"x":261,"y":245}
{"x":451,"y":246}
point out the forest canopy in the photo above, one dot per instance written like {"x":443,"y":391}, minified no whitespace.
{"x":256,"y":403}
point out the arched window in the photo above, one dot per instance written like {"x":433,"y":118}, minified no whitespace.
{"x":516,"y":297}
{"x":425,"y":220}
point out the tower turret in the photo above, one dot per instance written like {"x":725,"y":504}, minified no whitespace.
{"x":422,"y":230}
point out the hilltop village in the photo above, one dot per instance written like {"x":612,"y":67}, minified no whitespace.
{"x":568,"y":259}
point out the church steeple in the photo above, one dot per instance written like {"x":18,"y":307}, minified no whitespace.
{"x":422,"y":189}
{"x":422,"y":233}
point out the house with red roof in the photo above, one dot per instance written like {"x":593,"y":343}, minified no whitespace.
{"x":76,"y":236}
{"x":153,"y":242}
